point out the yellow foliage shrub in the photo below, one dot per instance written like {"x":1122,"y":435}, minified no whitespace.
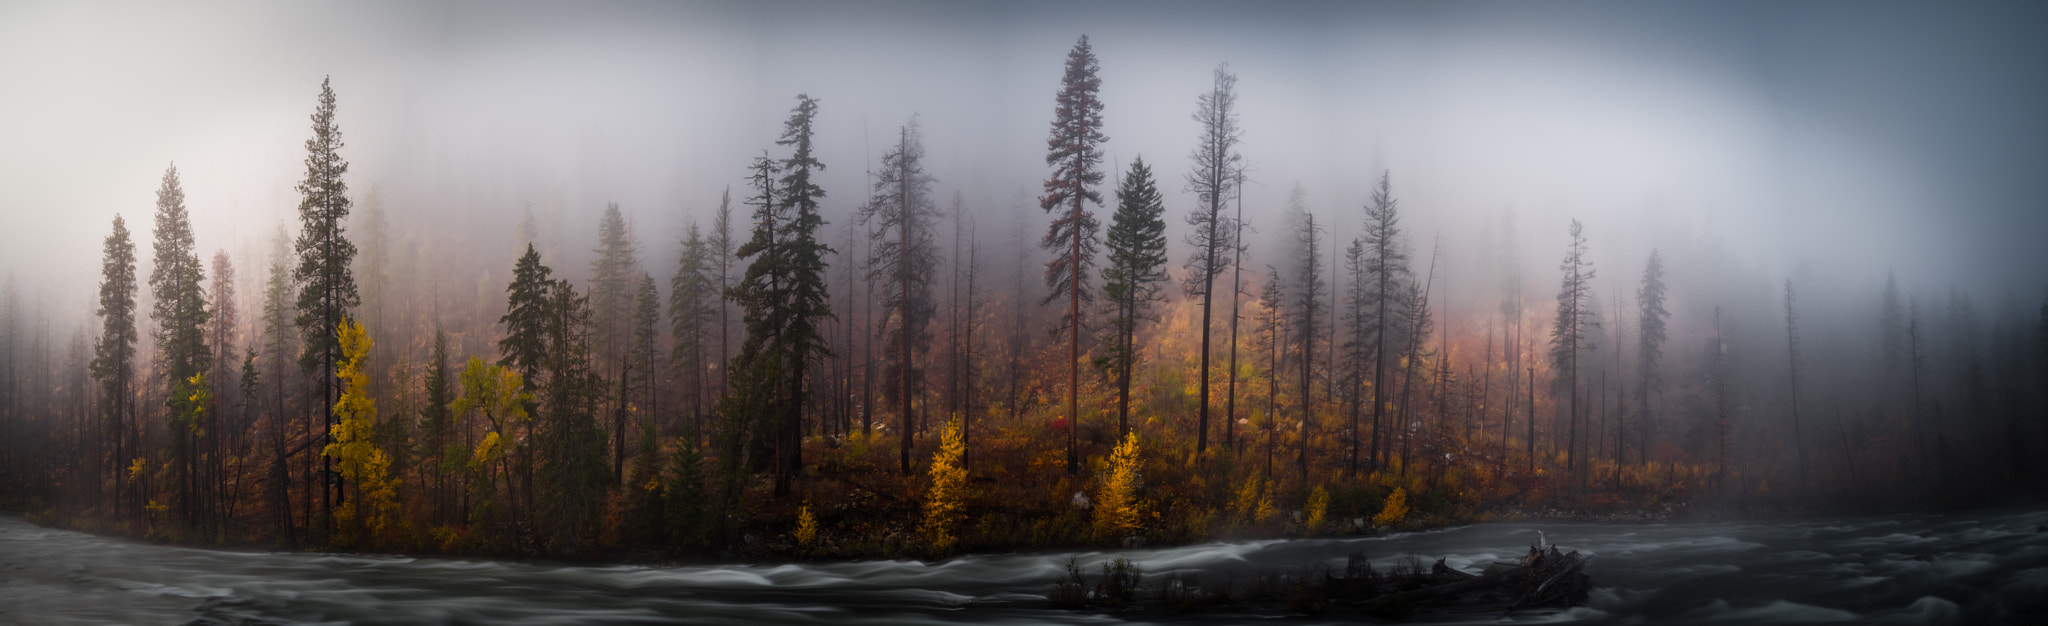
{"x":1318,"y":507}
{"x":1395,"y":510}
{"x":806,"y":526}
{"x":949,"y":485}
{"x":1117,"y":510}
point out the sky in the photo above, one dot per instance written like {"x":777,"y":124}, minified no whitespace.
{"x":1830,"y":140}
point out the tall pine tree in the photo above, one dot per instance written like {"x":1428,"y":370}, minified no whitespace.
{"x":1213,"y":178}
{"x":1132,"y":280}
{"x":1568,"y":337}
{"x":1386,"y":262}
{"x":327,"y":288}
{"x":1074,"y":150}
{"x":903,"y":258}
{"x":113,"y":362}
{"x":612,"y":285}
{"x":693,"y":293}
{"x":1651,"y":317}
{"x":180,"y":314}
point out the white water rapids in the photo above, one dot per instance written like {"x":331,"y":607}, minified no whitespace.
{"x":1961,"y":568}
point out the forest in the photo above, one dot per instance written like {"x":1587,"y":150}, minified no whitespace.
{"x":869,"y":370}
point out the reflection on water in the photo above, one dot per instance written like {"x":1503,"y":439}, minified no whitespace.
{"x":1909,"y":569}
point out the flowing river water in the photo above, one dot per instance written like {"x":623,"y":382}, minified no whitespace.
{"x":1962,"y":568}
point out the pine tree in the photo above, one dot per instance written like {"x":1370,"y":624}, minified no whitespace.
{"x":692,"y":294}
{"x":747,"y":413}
{"x":1568,"y":338}
{"x":1891,"y":323}
{"x":180,"y":313}
{"x":611,"y":306}
{"x":1308,"y":305}
{"x":221,"y":328}
{"x":1650,"y":347}
{"x":904,"y":258}
{"x":1792,"y":373}
{"x":1416,"y":325}
{"x":722,"y":248}
{"x":437,"y":429}
{"x":220,"y":340}
{"x":113,"y":363}
{"x":327,"y":289}
{"x":1074,"y":150}
{"x":1213,"y":178}
{"x":568,"y":455}
{"x":1273,"y":338}
{"x":1134,"y":277}
{"x":784,"y":298}
{"x":644,"y":352}
{"x":1386,"y":262}
{"x":1718,"y":385}
{"x":808,"y":297}
{"x":280,"y":354}
{"x":1357,"y":339}
{"x":684,"y":515}
{"x":524,"y":348}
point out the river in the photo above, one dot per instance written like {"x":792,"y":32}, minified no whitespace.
{"x":1963,"y":568}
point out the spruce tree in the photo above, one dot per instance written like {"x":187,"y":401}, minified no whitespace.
{"x":524,"y":348}
{"x":784,"y":298}
{"x":1213,"y":178}
{"x":1074,"y":150}
{"x":1134,"y":276}
{"x":808,"y":298}
{"x":747,"y":411}
{"x":327,"y":288}
{"x":903,"y":258}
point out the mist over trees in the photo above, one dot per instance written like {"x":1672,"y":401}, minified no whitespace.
{"x":689,"y":392}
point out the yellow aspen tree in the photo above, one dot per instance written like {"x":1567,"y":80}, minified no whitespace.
{"x":374,"y":510}
{"x":500,"y":396}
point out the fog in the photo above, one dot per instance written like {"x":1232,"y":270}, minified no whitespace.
{"x":1827,"y":142}
{"x":1846,"y":198}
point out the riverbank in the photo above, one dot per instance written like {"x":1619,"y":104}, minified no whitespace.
{"x":852,"y":502}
